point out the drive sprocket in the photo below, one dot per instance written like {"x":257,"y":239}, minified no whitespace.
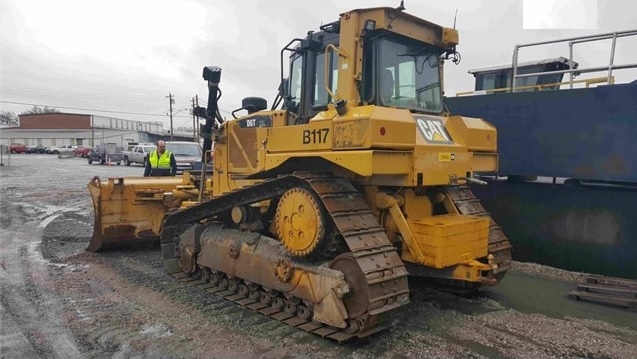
{"x":300,"y":222}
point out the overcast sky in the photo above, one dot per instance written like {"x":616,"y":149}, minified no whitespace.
{"x":127,"y":56}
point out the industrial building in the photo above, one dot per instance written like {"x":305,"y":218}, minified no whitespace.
{"x":56,"y":129}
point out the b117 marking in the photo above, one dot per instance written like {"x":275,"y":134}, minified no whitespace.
{"x":318,"y":135}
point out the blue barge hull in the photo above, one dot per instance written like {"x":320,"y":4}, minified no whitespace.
{"x":588,"y":134}
{"x":590,"y":229}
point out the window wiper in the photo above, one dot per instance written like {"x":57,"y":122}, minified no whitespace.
{"x":415,"y":54}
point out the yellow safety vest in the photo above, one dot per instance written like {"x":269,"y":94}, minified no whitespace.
{"x":162,"y":162}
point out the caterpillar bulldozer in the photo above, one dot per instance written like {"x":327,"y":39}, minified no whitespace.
{"x":317,"y":209}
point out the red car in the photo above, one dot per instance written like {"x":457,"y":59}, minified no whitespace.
{"x":82,"y":151}
{"x":17,"y":148}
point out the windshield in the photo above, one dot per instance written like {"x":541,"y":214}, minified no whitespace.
{"x":184,"y":149}
{"x":112,"y":149}
{"x":408,"y":76}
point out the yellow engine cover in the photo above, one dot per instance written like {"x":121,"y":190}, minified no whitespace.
{"x":451,"y":239}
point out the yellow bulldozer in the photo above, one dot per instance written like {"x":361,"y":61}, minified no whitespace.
{"x":317,"y":210}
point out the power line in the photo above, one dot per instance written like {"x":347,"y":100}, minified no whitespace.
{"x":205,"y":104}
{"x":57,"y":93}
{"x":88,"y":109}
{"x":83,"y":109}
{"x":185,"y":123}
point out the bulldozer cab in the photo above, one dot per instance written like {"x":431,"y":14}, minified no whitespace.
{"x":379,"y":56}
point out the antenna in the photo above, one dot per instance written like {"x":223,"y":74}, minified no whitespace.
{"x":401,"y":7}
{"x":454,"y":18}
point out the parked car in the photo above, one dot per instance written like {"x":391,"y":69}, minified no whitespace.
{"x":138,"y":154}
{"x":17,"y":148}
{"x":104,"y":153}
{"x":82,"y":151}
{"x":61,"y":148}
{"x":36,"y":149}
{"x":187,"y":154}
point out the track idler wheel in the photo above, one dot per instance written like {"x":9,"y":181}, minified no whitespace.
{"x":300,"y":222}
{"x":357,"y":300}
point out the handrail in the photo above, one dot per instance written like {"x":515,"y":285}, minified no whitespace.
{"x":572,"y":41}
{"x":588,"y":82}
{"x":328,"y":65}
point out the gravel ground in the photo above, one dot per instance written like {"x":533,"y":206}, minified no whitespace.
{"x":58,"y":301}
{"x":549,"y":272}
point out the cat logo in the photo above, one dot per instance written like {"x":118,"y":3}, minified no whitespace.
{"x":433,"y":130}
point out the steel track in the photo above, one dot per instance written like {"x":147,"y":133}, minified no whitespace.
{"x":499,"y":245}
{"x":384,"y":272}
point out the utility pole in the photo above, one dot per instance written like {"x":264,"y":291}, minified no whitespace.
{"x":197,"y":127}
{"x":171,"y":101}
{"x":194,"y":133}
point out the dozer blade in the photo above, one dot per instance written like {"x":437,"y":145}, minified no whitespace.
{"x":131,"y":210}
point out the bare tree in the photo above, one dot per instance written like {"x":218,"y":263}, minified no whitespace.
{"x":8,"y":118}
{"x":38,"y":110}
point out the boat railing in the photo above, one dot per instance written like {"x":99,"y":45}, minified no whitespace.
{"x":586,"y":82}
{"x":614,"y":36}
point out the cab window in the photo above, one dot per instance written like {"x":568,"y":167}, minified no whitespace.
{"x":321,"y":97}
{"x":296,"y":81}
{"x":408,"y":76}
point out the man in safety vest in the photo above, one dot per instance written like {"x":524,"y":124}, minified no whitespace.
{"x":161,"y":162}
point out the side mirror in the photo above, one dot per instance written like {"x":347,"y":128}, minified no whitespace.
{"x":284,"y":88}
{"x":284,"y":91}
